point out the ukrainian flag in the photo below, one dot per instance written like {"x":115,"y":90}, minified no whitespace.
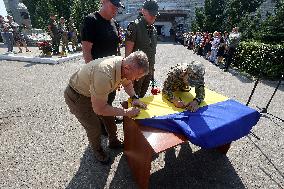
{"x":218,"y":121}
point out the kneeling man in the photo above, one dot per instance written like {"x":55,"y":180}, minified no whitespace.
{"x":181,"y":78}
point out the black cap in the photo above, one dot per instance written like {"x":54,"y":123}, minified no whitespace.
{"x":53,"y":14}
{"x":152,"y":7}
{"x":117,"y":3}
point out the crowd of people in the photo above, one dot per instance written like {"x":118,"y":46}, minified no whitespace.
{"x":11,"y":34}
{"x":216,"y":47}
{"x":60,"y":33}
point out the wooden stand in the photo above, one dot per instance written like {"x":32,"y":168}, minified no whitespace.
{"x":142,"y":142}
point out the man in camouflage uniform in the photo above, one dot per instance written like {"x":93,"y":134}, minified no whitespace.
{"x":73,"y":34}
{"x":181,"y":78}
{"x":142,"y":35}
{"x":54,"y":33}
{"x":63,"y":35}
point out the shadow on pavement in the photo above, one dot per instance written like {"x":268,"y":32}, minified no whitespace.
{"x":268,"y":158}
{"x":273,"y":84}
{"x":93,"y":175}
{"x":201,"y":169}
{"x":246,"y":78}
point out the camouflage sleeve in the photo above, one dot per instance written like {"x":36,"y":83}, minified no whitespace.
{"x":131,"y":32}
{"x":168,"y":89}
{"x":200,"y":92}
{"x":196,"y":80}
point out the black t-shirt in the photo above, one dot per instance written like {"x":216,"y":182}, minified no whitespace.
{"x":102,"y":33}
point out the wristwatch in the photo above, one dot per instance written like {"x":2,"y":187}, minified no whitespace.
{"x":197,"y":100}
{"x":134,"y":97}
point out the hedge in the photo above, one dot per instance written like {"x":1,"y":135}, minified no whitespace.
{"x":260,"y":59}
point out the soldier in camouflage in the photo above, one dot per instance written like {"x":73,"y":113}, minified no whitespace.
{"x":73,"y":34}
{"x":181,"y":78}
{"x":54,"y":33}
{"x":63,"y":35}
{"x":142,"y":35}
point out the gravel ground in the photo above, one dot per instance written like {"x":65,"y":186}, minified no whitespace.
{"x":44,"y":146}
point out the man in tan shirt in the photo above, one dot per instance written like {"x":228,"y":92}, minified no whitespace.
{"x":87,"y":95}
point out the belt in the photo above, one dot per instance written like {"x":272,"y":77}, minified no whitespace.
{"x":73,"y":90}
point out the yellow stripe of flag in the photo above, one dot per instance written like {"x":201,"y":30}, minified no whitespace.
{"x":157,"y":105}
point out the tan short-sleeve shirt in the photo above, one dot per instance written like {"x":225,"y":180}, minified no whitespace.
{"x":98,"y":78}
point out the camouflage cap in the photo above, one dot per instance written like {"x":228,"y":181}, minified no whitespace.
{"x":152,"y":7}
{"x":197,"y":68}
{"x":194,"y":69}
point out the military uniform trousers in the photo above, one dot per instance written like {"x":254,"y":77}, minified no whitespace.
{"x":64,"y":39}
{"x":141,"y":86}
{"x":81,"y":107}
{"x":74,"y":41}
{"x":55,"y":43}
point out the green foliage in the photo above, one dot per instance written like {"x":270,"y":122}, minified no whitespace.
{"x":223,"y":15}
{"x":198,"y":23}
{"x":81,"y":8}
{"x":235,"y":10}
{"x":214,"y":15}
{"x":250,"y":25}
{"x":272,"y":29}
{"x":210,"y":17}
{"x":40,"y":9}
{"x":260,"y":59}
{"x":39,"y":12}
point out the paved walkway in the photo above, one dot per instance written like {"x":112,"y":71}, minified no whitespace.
{"x":34,"y":56}
{"x":44,"y":146}
{"x":34,"y":50}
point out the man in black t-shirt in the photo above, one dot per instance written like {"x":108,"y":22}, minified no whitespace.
{"x":100,"y":38}
{"x":103,"y":35}
{"x":99,"y":32}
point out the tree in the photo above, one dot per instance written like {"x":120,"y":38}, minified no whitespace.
{"x":198,"y":23}
{"x":249,"y":25}
{"x":214,"y":15}
{"x":272,"y":29}
{"x":81,"y":8}
{"x":235,"y":10}
{"x":39,"y":12}
{"x":40,"y":9}
{"x":211,"y":17}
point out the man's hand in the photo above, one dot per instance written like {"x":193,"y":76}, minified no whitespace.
{"x":178,"y":103}
{"x":132,"y":112}
{"x":137,"y":103}
{"x":192,"y":106}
